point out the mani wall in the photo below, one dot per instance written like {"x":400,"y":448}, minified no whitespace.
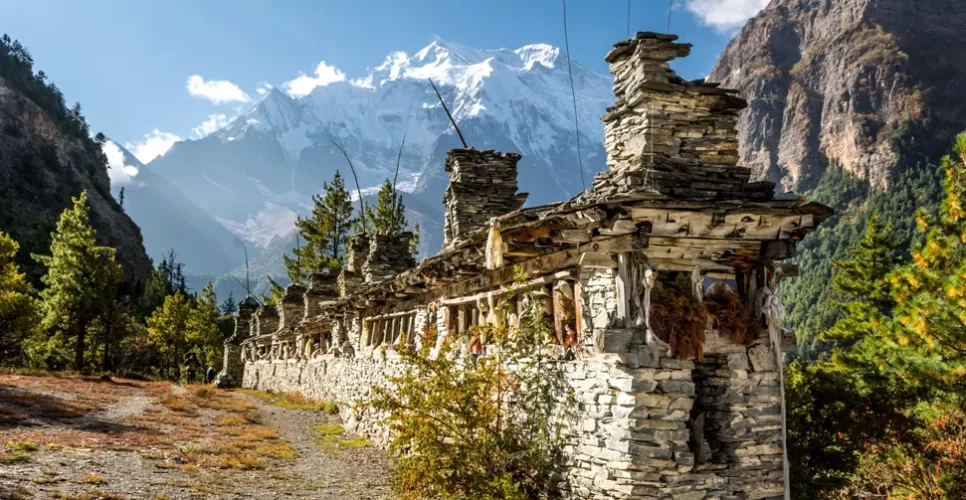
{"x":673,"y":210}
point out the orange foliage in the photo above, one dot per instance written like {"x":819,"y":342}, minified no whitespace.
{"x":731,"y":318}
{"x":680,"y":321}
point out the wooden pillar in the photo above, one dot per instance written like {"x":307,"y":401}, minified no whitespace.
{"x":624,"y":290}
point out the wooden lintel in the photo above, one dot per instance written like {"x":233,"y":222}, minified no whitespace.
{"x":516,"y":287}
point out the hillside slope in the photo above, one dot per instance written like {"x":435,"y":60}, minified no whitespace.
{"x":41,"y":167}
{"x":830,"y":84}
{"x":853,"y":102}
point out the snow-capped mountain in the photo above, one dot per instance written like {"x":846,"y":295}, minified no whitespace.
{"x":169,"y":220}
{"x":256,"y":173}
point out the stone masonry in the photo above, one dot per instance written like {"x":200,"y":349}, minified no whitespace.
{"x":667,"y":135}
{"x":672,"y":211}
{"x":483,"y":185}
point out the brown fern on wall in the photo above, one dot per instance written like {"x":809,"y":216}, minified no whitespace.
{"x":679,"y":320}
{"x":731,"y":318}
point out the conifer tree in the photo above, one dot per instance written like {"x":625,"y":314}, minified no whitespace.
{"x":201,"y":329}
{"x":323,"y":234}
{"x":229,"y":307}
{"x":81,"y":281}
{"x":19,"y":308}
{"x":861,"y":284}
{"x":931,"y":290}
{"x":167,"y":327}
{"x":388,"y":216}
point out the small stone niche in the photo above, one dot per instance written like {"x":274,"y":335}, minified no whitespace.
{"x":482,"y":185}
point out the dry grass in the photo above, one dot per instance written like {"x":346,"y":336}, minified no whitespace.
{"x":91,"y":478}
{"x":205,"y":427}
{"x":331,"y":438}
{"x":295,"y":401}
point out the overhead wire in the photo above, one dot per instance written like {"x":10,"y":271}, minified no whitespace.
{"x":573,"y":94}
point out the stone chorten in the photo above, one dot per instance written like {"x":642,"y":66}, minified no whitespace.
{"x":482,"y":185}
{"x":389,"y":255}
{"x":293,"y":306}
{"x":669,"y":136}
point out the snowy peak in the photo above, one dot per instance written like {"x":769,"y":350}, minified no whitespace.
{"x":538,"y":53}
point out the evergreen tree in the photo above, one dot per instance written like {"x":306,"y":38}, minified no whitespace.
{"x":931,"y":290}
{"x":166,"y":279}
{"x":861,"y":285}
{"x":229,"y":307}
{"x":167,"y":327}
{"x":120,"y":198}
{"x":201,"y":330}
{"x":19,"y":308}
{"x":323,"y":234}
{"x":81,"y":282}
{"x":388,"y":216}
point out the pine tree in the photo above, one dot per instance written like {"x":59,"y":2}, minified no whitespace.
{"x":81,"y":281}
{"x":931,"y":290}
{"x":388,"y":216}
{"x":166,"y":279}
{"x":229,"y":307}
{"x":861,"y":285}
{"x":323,"y":234}
{"x":120,"y":198}
{"x":167,"y":327}
{"x":201,"y":330}
{"x":19,"y":308}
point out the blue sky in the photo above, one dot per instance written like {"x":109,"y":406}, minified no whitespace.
{"x":130,"y":62}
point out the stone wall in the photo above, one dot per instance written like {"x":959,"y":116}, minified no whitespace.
{"x":667,"y":135}
{"x":292,"y":306}
{"x":482,"y":185}
{"x":388,"y":256}
{"x":634,"y":427}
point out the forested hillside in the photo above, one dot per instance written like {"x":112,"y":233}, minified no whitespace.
{"x":47,"y":156}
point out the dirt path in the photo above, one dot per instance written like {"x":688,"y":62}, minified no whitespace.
{"x":86,"y":440}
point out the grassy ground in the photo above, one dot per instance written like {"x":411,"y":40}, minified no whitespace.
{"x":75,"y":437}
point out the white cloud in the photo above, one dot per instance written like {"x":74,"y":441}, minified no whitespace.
{"x":155,"y":144}
{"x":216,"y":91}
{"x":725,"y":15}
{"x":303,"y":84}
{"x":213,"y":123}
{"x":263,"y":88}
{"x":120,"y":174}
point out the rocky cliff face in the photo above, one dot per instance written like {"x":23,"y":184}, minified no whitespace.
{"x":833,"y":83}
{"x":41,"y":168}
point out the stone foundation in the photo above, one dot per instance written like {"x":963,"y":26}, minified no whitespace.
{"x":635,"y":425}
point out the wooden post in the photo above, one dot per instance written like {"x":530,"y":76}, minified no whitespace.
{"x":624,"y":287}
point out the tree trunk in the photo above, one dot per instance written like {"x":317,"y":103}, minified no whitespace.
{"x":80,"y":346}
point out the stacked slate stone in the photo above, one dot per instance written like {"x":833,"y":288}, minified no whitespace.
{"x":293,"y":306}
{"x":668,"y":136}
{"x":740,"y":400}
{"x":234,"y":366}
{"x":266,"y":321}
{"x":389,"y":255}
{"x":482,"y":185}
{"x":351,"y":278}
{"x":322,"y":288}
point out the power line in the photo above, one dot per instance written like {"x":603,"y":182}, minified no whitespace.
{"x":670,"y":7}
{"x":573,"y":94}
{"x":628,"y":18}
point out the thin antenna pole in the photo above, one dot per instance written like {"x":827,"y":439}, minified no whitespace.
{"x":670,"y":7}
{"x":395,"y":177}
{"x":573,"y":95}
{"x":298,"y":258}
{"x":248,"y":280}
{"x":362,"y":203}
{"x":628,"y":18}
{"x":451,"y":120}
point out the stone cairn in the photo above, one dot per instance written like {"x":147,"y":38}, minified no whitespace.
{"x":668,"y":136}
{"x":351,"y":277}
{"x":482,"y":185}
{"x":389,"y":255}
{"x":234,"y":363}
